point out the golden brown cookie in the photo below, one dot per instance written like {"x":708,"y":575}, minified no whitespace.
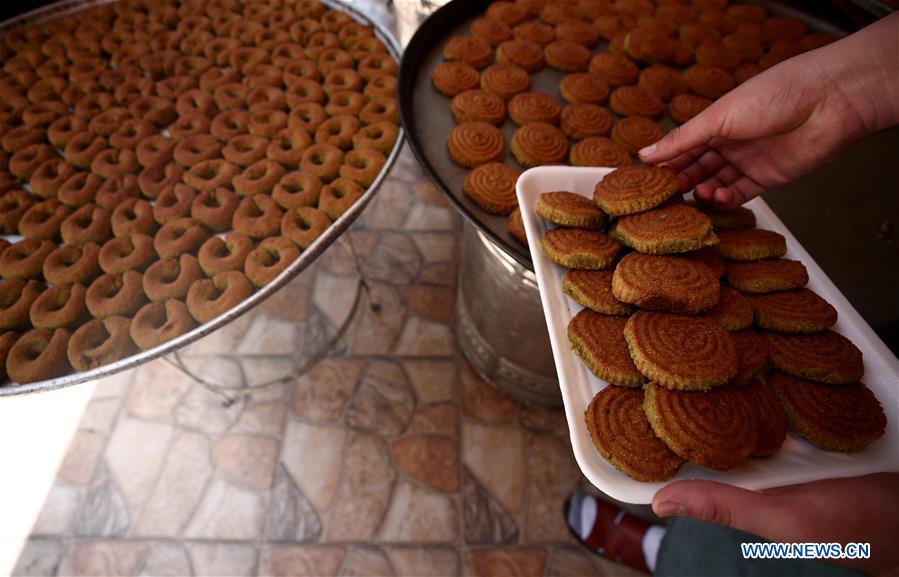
{"x":681,"y":352}
{"x":526,"y":55}
{"x":683,"y":107}
{"x":478,"y":105}
{"x":636,"y":101}
{"x":578,"y":31}
{"x":598,"y":340}
{"x":770,"y":415}
{"x":665,"y":230}
{"x":593,"y":289}
{"x":719,"y":55}
{"x":530,"y":107}
{"x":515,"y":227}
{"x":717,"y":429}
{"x":752,"y":355}
{"x":649,"y":44}
{"x":566,"y":56}
{"x":472,"y":144}
{"x":621,"y":433}
{"x":570,"y":209}
{"x":732,"y":311}
{"x":751,"y":244}
{"x":663,"y":81}
{"x":665,"y":283}
{"x":581,"y":121}
{"x":826,"y":357}
{"x":766,"y":276}
{"x":584,"y":88}
{"x":795,"y":311}
{"x":505,"y":80}
{"x":599,"y":151}
{"x":843,"y":418}
{"x":580,"y":249}
{"x":452,"y":78}
{"x":616,"y":69}
{"x":469,"y":49}
{"x":491,"y":31}
{"x":491,"y":186}
{"x":728,"y":218}
{"x":709,"y":81}
{"x":539,"y":143}
{"x":708,"y":256}
{"x":636,"y":132}
{"x":633,"y":189}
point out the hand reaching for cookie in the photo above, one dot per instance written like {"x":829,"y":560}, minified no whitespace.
{"x":788,"y":120}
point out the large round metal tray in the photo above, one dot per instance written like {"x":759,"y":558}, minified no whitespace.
{"x":65,"y":7}
{"x":428,"y":120}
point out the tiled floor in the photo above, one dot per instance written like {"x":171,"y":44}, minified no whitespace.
{"x":390,"y":457}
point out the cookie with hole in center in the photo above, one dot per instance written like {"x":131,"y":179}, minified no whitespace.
{"x":716,"y":429}
{"x":843,"y":418}
{"x":679,"y":351}
{"x":665,"y":283}
{"x":826,"y":357}
{"x":621,"y":433}
{"x":593,"y":289}
{"x":632,"y":189}
{"x":666,"y":230}
{"x":750,"y":244}
{"x":570,"y":209}
{"x":795,"y":311}
{"x":580,"y":249}
{"x":598,"y":340}
{"x":766,"y":276}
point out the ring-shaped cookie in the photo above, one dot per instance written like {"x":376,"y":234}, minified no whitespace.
{"x":130,"y":133}
{"x":188,"y":125}
{"x":115,"y":295}
{"x":210,"y":174}
{"x":23,"y":163}
{"x":159,"y":322}
{"x":16,"y":297}
{"x":25,"y":259}
{"x":257,"y":216}
{"x":287,"y":147}
{"x":43,"y":220}
{"x":120,"y":254}
{"x":100,"y":342}
{"x":180,"y":236}
{"x":307,"y":116}
{"x":73,"y":265}
{"x":154,"y":150}
{"x":171,"y":278}
{"x":338,"y":131}
{"x":266,"y":123}
{"x":258,"y":178}
{"x":114,"y":163}
{"x":195,"y":149}
{"x":362,"y":166}
{"x":297,"y":189}
{"x":37,"y":355}
{"x":338,"y":196}
{"x":133,"y":216}
{"x":174,"y":203}
{"x":304,"y":224}
{"x":215,"y":208}
{"x":380,"y":136}
{"x":269,"y":259}
{"x":90,"y":223}
{"x":229,"y":124}
{"x":245,"y":149}
{"x":60,"y":306}
{"x":323,"y":161}
{"x":224,"y":254}
{"x":380,"y":85}
{"x":210,"y":298}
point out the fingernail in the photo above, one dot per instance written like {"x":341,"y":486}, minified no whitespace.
{"x":668,"y":509}
{"x":647,"y":150}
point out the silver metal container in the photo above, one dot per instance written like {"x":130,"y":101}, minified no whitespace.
{"x":500,"y":323}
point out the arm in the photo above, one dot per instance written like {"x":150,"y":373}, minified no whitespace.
{"x":788,"y":120}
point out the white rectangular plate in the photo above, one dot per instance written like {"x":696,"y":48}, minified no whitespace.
{"x":798,"y":461}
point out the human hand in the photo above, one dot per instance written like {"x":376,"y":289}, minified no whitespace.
{"x":788,"y":120}
{"x":858,"y":510}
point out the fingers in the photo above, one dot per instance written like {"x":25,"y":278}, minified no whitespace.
{"x":696,"y":132}
{"x":716,"y":503}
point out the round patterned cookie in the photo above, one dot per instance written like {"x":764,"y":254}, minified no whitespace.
{"x":752,"y":355}
{"x":515,"y":227}
{"x":616,"y":69}
{"x":599,"y":151}
{"x":491,"y":31}
{"x":750,"y":244}
{"x":636,"y":101}
{"x":579,"y":121}
{"x":505,"y":80}
{"x":522,"y":53}
{"x":709,"y":81}
{"x":681,"y":352}
{"x":636,"y":132}
{"x":478,"y":105}
{"x":584,"y":88}
{"x":452,"y":78}
{"x":469,"y":49}
{"x":717,"y":429}
{"x":795,"y":311}
{"x":633,"y":189}
{"x":534,"y":31}
{"x":844,"y":418}
{"x":472,"y":144}
{"x":539,"y":143}
{"x":491,"y":186}
{"x":826,"y":357}
{"x":530,"y":107}
{"x":580,"y":249}
{"x":665,"y":283}
{"x":593,"y":289}
{"x":732,"y":311}
{"x":771,"y":418}
{"x":566,"y":56}
{"x":570,"y":209}
{"x":578,"y":31}
{"x":598,"y":340}
{"x":683,"y":107}
{"x":663,"y":81}
{"x":665,"y":230}
{"x":766,"y":276}
{"x":649,"y":44}
{"x":728,"y":218}
{"x":622,"y":434}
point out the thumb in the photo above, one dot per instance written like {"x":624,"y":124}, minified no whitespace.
{"x":717,"y":503}
{"x":698,"y":131}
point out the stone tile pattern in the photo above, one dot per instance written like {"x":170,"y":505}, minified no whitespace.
{"x":390,"y":457}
